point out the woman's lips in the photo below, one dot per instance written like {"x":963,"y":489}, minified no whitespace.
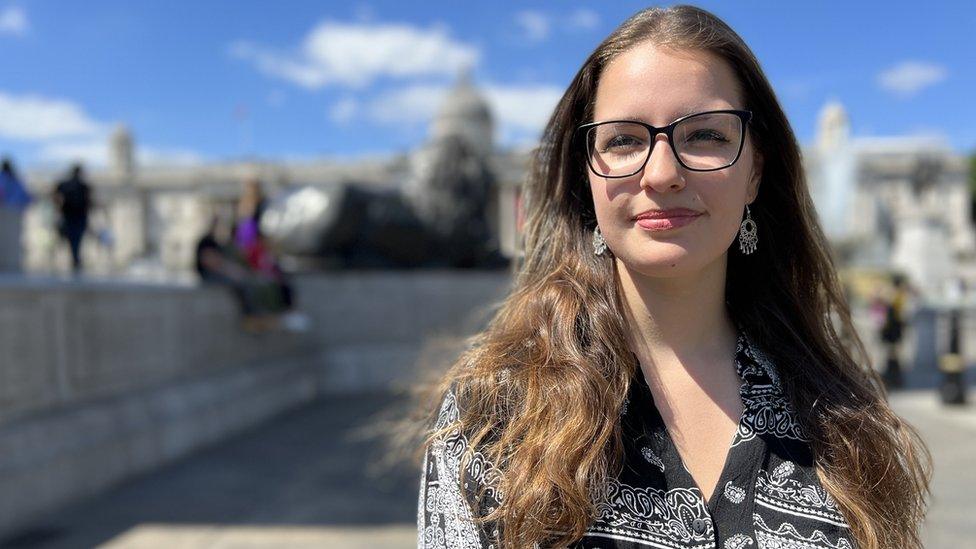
{"x":666,"y":223}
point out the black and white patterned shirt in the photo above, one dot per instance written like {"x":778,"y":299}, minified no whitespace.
{"x":768,"y":495}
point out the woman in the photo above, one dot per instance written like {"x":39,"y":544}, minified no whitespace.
{"x":652,"y":323}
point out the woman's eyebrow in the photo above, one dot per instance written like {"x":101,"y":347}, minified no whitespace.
{"x":681,"y":114}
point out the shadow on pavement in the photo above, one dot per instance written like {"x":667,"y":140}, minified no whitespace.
{"x":309,"y":467}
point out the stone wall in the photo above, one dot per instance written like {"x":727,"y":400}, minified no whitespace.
{"x":102,"y":381}
{"x":380,"y":329}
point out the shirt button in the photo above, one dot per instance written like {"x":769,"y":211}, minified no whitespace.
{"x":699,"y":526}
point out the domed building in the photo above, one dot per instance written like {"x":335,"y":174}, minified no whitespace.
{"x":465,"y":113}
{"x":451,"y":186}
{"x":150,"y":216}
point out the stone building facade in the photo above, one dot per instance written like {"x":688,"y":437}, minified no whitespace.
{"x":893,"y":203}
{"x":147,"y":219}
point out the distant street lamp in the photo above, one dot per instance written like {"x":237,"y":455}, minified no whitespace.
{"x":952,"y":364}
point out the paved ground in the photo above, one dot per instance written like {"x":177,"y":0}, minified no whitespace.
{"x":303,"y":481}
{"x":950,"y":433}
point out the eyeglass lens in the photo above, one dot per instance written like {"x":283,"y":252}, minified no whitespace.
{"x":704,"y":142}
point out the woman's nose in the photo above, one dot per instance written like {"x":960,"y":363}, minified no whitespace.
{"x":662,"y":171}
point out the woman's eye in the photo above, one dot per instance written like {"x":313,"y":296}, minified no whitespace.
{"x":706,"y":135}
{"x":622,"y":141}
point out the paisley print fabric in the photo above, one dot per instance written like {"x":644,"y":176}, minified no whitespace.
{"x":768,"y":495}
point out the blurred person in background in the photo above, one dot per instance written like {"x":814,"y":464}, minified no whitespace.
{"x":252,"y":203}
{"x":215,"y":264}
{"x":893,"y":330}
{"x":665,"y":371}
{"x":260,"y":257}
{"x":247,"y":230}
{"x":73,"y":199}
{"x":14,"y":199}
{"x":12,"y":191}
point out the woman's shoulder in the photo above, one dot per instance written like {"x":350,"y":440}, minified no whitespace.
{"x":458,"y":483}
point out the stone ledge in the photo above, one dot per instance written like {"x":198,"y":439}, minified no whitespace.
{"x":63,"y":344}
{"x":57,"y":457}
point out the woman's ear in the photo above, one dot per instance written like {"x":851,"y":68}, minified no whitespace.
{"x":757,"y":169}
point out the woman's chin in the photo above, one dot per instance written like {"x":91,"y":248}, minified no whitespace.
{"x":670,"y":263}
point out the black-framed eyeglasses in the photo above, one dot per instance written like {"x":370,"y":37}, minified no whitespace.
{"x":701,"y":142}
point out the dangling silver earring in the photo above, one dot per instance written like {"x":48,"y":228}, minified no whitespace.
{"x":599,"y":245}
{"x":748,"y":237}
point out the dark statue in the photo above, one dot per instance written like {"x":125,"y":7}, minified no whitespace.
{"x":442,"y":222}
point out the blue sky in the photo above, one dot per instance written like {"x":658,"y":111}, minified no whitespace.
{"x":217,"y":80}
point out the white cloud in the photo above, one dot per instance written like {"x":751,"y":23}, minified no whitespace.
{"x":357,"y":54}
{"x":520,"y":111}
{"x":36,"y":118}
{"x":62,"y":131}
{"x":535,"y":25}
{"x":280,"y":65}
{"x":538,"y":26}
{"x":413,"y":104}
{"x":910,"y":77}
{"x":583,"y":18}
{"x":13,"y":21}
{"x":91,"y":152}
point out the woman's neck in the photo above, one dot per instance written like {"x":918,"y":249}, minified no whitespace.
{"x":677,"y":322}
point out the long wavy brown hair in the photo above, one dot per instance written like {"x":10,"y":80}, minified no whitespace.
{"x":540,"y":389}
